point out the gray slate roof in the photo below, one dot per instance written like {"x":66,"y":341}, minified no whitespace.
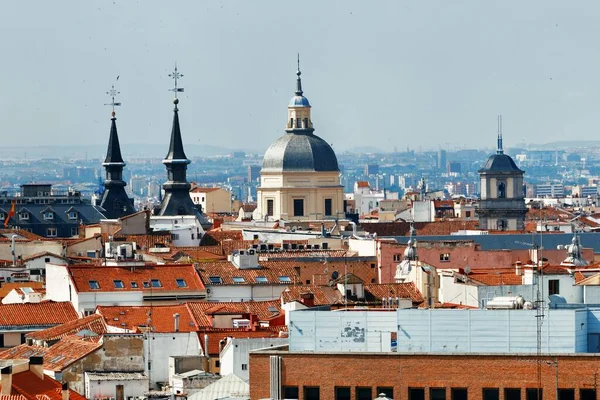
{"x":300,"y":152}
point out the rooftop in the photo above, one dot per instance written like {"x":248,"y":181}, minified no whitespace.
{"x":36,"y":314}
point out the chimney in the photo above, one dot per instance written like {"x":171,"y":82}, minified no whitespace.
{"x":65,"y":391}
{"x":176,"y":317}
{"x":6,"y":380}
{"x":36,"y":365}
{"x":206,"y":345}
{"x":308,"y":299}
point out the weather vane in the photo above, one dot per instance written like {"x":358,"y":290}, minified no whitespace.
{"x":298,"y":62}
{"x":113,"y":93}
{"x":175,"y":75}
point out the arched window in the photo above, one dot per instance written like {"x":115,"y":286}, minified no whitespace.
{"x":502,"y":190}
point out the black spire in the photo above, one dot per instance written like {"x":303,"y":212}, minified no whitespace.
{"x":298,"y":80}
{"x":115,"y":201}
{"x":177,"y":200}
{"x":113,"y":154}
{"x":176,"y":146}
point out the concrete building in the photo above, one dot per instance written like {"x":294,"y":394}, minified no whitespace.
{"x":235,"y":355}
{"x":502,"y":204}
{"x":212,"y":200}
{"x":300,"y":177}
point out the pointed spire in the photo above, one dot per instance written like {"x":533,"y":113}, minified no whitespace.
{"x":298,"y":80}
{"x":176,"y":145}
{"x":500,"y":149}
{"x":113,"y":154}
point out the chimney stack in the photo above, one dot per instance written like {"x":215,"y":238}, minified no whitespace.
{"x":65,"y":391}
{"x":36,"y":365}
{"x":176,"y":317}
{"x":6,"y":380}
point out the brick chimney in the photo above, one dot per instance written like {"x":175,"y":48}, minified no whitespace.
{"x":6,"y":380}
{"x":36,"y":365}
{"x":176,"y":318}
{"x":308,"y":299}
{"x":65,"y":391}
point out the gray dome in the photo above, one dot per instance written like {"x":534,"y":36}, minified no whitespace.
{"x":500,"y":163}
{"x":300,"y":152}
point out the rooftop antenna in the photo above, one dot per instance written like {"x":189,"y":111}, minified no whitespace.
{"x":500,"y":149}
{"x":113,"y":93}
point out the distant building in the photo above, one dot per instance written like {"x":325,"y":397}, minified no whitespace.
{"x":550,"y":190}
{"x":585,"y":191}
{"x":454,"y":167}
{"x":300,"y":177}
{"x":502,"y":204}
{"x":441,"y":159}
{"x":253,"y":173}
{"x":212,"y":200}
{"x":371,"y":169}
{"x":41,"y":211}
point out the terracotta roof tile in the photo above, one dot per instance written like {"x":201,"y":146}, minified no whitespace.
{"x":159,"y":317}
{"x":216,"y":335}
{"x":105,"y":277}
{"x":323,"y":295}
{"x":402,"y":290}
{"x":326,"y":295}
{"x":269,"y":273}
{"x":263,"y":310}
{"x":9,"y":286}
{"x":437,"y":228}
{"x":94,"y":323}
{"x":150,"y":240}
{"x":58,"y":356}
{"x":29,"y":385}
{"x":37,"y":314}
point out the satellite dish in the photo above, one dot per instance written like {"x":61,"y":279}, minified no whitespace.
{"x":467,"y":270}
{"x":335,"y":275}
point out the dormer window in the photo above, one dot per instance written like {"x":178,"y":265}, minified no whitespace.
{"x":215,"y":280}
{"x":94,"y":285}
{"x":155,"y":283}
{"x":285,"y":279}
{"x":118,"y":284}
{"x":48,"y":215}
{"x":238,"y":279}
{"x":72,"y":214}
{"x":24,"y":216}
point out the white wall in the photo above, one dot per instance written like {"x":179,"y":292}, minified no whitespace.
{"x":457,"y":293}
{"x":187,"y":229}
{"x":158,"y":347}
{"x":131,"y":388}
{"x":365,"y":248}
{"x":236,"y":354}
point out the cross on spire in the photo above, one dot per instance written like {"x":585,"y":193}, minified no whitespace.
{"x":175,"y":75}
{"x":113,"y":93}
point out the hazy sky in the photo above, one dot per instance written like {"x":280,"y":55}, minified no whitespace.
{"x":424,"y":74}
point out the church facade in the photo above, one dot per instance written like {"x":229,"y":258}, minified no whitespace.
{"x":300,"y":177}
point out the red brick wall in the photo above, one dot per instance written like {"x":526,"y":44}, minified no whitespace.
{"x":473,"y":372}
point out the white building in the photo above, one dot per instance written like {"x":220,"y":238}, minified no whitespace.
{"x":123,"y":385}
{"x":235,"y":358}
{"x":186,"y":230}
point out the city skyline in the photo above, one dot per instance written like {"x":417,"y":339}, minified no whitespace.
{"x":371,"y":72}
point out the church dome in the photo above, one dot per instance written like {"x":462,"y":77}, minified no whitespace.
{"x":500,"y":163}
{"x":300,"y":152}
{"x":299,"y":101}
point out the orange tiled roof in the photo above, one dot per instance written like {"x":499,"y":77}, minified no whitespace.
{"x":149,"y":240}
{"x":43,"y":254}
{"x":326,"y":295}
{"x":37,"y":314}
{"x":362,"y":184}
{"x":260,"y":309}
{"x":216,"y":335}
{"x":402,"y":290}
{"x":270,"y":270}
{"x":29,"y":385}
{"x":496,"y":278}
{"x":548,"y":213}
{"x":578,"y":276}
{"x":58,"y":356}
{"x":159,"y":317}
{"x":9,"y":286}
{"x":437,"y":228}
{"x":94,"y":323}
{"x":105,"y":276}
{"x":323,"y":295}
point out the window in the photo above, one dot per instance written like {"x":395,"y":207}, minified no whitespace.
{"x":397,"y":257}
{"x":94,"y":284}
{"x":155,"y":283}
{"x":273,"y":309}
{"x":502,"y":190}
{"x":134,"y":284}
{"x":458,"y":394}
{"x":47,"y":259}
{"x":416,"y":394}
{"x":72,"y":214}
{"x":48,"y":215}
{"x":342,"y":393}
{"x":24,"y":216}
{"x":51,"y":232}
{"x":298,"y":207}
{"x":566,"y":394}
{"x":244,"y":367}
{"x":2,"y":215}
{"x":146,"y":284}
{"x":512,"y":394}
{"x":532,"y":394}
{"x":311,"y":393}
{"x":119,"y":284}
{"x":502,"y":224}
{"x":437,"y":394}
{"x":553,"y":287}
{"x":75,"y":231}
{"x":328,"y":207}
{"x":290,"y":392}
{"x":364,"y":393}
{"x":238,"y":279}
{"x":491,"y":394}
{"x":587,"y":394}
{"x":174,"y":236}
{"x":181,"y":282}
{"x":270,"y":207}
{"x":284,"y":279}
{"x":262,"y":279}
{"x":388,"y":391}
{"x":468,"y":214}
{"x":215,"y":280}
{"x":445,"y":257}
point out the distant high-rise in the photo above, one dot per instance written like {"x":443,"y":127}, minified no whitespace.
{"x":115,"y":201}
{"x":253,"y":173}
{"x":441,"y":161}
